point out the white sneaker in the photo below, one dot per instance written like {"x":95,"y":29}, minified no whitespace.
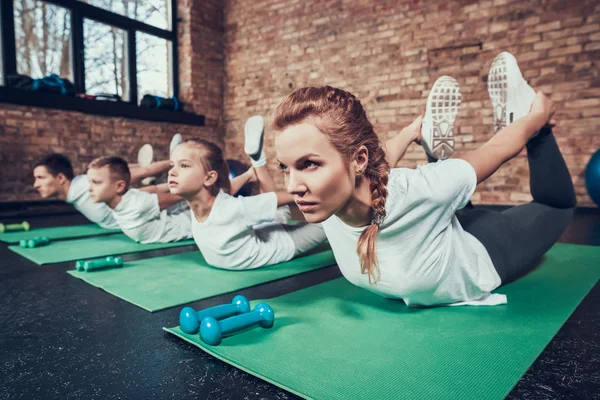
{"x":253,"y":133}
{"x":177,"y":138}
{"x":437,"y":130}
{"x":148,"y":181}
{"x":145,"y":155}
{"x":511,"y":95}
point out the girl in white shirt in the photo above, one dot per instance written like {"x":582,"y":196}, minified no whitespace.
{"x":236,"y":232}
{"x":397,"y":232}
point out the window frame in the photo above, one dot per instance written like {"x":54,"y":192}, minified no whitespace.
{"x":80,"y":11}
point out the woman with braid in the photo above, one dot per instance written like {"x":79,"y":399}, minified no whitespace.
{"x":399,"y":232}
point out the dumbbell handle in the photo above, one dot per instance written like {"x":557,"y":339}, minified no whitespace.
{"x":35,"y":242}
{"x":240,"y":322}
{"x":102,"y":263}
{"x":23,"y":226}
{"x":212,"y":331}
{"x":260,"y":315}
{"x":219,"y":312}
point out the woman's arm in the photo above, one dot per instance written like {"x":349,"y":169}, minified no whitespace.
{"x":239,"y":181}
{"x":396,"y":147}
{"x":509,"y":141}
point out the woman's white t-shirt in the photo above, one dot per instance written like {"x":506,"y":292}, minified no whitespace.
{"x":424,"y":255}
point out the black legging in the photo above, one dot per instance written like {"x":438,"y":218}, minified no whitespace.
{"x":518,"y":237}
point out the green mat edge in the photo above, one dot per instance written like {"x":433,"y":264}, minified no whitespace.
{"x":124,"y":298}
{"x":583,"y":296}
{"x":110,"y":232}
{"x":230,"y":362}
{"x":15,"y":249}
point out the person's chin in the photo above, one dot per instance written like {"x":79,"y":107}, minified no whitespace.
{"x":315,"y":218}
{"x":179,"y":191}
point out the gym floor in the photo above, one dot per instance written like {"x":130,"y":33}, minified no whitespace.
{"x":64,"y":339}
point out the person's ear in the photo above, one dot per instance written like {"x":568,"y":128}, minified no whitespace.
{"x":121,"y":186}
{"x":61,"y":178}
{"x":211,"y":178}
{"x":360,"y":161}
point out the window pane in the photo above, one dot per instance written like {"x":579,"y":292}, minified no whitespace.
{"x":154,"y":74}
{"x":152,"y":12}
{"x":43,"y":39}
{"x":105,"y":59}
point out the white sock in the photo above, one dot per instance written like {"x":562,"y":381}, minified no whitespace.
{"x":262,"y":160}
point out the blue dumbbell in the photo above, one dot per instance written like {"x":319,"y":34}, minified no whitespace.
{"x":35,"y":242}
{"x":212,"y":331}
{"x":189,"y":319}
{"x":79,"y":265}
{"x":100,"y":263}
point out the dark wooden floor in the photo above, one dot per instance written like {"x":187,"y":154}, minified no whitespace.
{"x":61,"y":338}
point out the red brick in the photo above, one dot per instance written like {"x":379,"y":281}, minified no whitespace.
{"x":240,"y":57}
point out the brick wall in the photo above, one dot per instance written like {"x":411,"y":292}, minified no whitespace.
{"x":389,"y":53}
{"x":28,"y":132}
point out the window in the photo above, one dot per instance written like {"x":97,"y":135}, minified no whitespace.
{"x":153,"y":12}
{"x":42,"y":39}
{"x":105,"y":59}
{"x":153,"y":66}
{"x":120,"y":47}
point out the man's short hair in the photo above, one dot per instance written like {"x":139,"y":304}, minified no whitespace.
{"x":119,"y":170}
{"x":56,"y":163}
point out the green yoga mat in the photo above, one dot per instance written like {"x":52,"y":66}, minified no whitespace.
{"x":71,"y":250}
{"x":158,"y":283}
{"x":337,"y":341}
{"x":58,"y":232}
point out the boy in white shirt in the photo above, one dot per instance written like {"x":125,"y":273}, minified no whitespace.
{"x":143,"y":216}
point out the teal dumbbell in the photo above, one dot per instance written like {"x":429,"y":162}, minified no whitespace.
{"x":100,"y":263}
{"x":189,"y":319}
{"x":212,"y":331}
{"x":23,"y":226}
{"x":35,"y":242}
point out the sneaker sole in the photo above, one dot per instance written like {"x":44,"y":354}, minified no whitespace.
{"x":145,"y":155}
{"x":498,"y":91}
{"x":442,"y":107}
{"x":254,"y":126}
{"x":507,"y":89}
{"x":177,"y":138}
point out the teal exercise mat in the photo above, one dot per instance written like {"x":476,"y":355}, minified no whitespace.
{"x":337,"y":341}
{"x":71,"y":250}
{"x":158,"y":283}
{"x":57,"y":232}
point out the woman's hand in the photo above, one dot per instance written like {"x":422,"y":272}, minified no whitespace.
{"x":414,"y":129}
{"x":544,"y":107}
